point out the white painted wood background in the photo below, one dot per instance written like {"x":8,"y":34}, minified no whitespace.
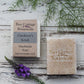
{"x":38,"y":66}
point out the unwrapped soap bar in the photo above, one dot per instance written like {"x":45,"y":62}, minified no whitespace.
{"x":26,"y":38}
{"x":61,"y":56}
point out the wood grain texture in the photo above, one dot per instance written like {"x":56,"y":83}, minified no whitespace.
{"x":38,"y":66}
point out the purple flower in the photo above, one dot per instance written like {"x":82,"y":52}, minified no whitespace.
{"x":23,"y":74}
{"x":21,"y":65}
{"x":17,"y":72}
{"x":22,"y":71}
{"x":28,"y":74}
{"x":26,"y":69}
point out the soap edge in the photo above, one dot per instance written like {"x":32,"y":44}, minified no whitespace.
{"x":74,"y":40}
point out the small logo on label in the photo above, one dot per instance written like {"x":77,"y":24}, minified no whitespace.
{"x":29,"y":26}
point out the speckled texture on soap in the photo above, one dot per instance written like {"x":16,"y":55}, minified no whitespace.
{"x":61,"y":56}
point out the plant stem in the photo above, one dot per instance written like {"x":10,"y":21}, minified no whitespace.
{"x":11,"y":62}
{"x":31,"y":76}
{"x":36,"y":79}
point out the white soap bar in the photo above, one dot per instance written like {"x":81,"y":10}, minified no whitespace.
{"x":61,"y":56}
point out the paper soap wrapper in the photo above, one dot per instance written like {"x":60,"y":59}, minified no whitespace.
{"x":61,"y":56}
{"x":26,"y":38}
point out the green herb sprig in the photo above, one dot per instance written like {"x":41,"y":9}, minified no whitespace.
{"x":23,"y":71}
{"x":69,"y":12}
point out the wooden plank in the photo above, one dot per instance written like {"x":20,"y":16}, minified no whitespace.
{"x":39,"y":69}
{"x":38,"y":66}
{"x":5,"y":43}
{"x":6,"y":16}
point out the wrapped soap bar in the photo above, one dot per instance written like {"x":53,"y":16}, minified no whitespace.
{"x":61,"y":56}
{"x":26,"y":38}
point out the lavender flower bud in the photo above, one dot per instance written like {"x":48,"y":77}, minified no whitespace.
{"x":22,"y":71}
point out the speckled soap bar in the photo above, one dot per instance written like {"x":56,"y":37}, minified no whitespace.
{"x":26,"y":38}
{"x":61,"y":56}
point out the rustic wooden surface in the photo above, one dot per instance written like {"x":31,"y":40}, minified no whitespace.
{"x":38,"y":65}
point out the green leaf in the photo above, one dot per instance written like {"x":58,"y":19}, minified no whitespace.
{"x":10,"y":61}
{"x":35,"y":78}
{"x":69,"y":12}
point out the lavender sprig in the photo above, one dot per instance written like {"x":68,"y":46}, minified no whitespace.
{"x":23,"y":71}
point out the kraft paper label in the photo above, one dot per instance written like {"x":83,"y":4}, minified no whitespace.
{"x":25,"y":38}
